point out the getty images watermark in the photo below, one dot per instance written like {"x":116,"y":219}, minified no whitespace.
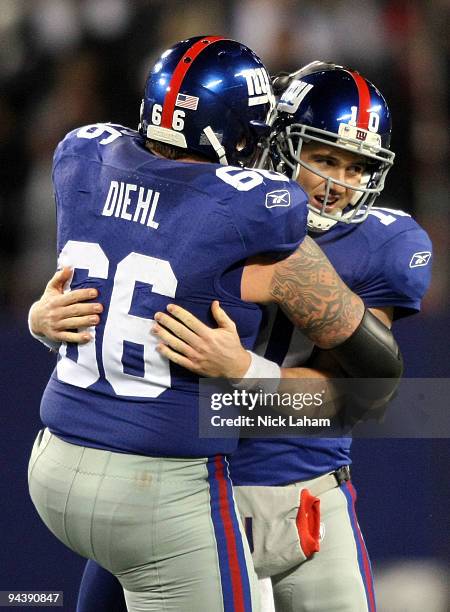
{"x":243,"y":400}
{"x":335,"y":408}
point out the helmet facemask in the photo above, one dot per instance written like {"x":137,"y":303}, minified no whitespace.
{"x":287,"y":148}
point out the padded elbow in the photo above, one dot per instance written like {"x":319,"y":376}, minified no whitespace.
{"x":370,"y":352}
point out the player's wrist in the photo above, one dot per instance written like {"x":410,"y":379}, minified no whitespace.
{"x":35,"y":332}
{"x":261,"y":374}
{"x":32,"y":326}
{"x":239,"y":367}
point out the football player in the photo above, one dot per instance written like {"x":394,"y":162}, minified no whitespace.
{"x":332,"y":135}
{"x":280,"y":276}
{"x":120,"y":474}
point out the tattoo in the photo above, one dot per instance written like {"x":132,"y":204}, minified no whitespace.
{"x":314,"y":297}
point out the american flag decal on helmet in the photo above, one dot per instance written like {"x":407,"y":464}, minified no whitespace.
{"x":185,"y":101}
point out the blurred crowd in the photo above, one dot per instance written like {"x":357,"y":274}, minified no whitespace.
{"x":67,"y":63}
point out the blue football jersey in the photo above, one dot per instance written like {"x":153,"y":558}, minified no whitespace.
{"x":387,"y":261}
{"x":146,"y":231}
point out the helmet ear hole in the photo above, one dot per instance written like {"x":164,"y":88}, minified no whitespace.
{"x":241,"y":144}
{"x":247,"y":151}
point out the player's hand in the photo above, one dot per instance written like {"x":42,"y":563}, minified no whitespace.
{"x":56,"y":313}
{"x":188,"y":342}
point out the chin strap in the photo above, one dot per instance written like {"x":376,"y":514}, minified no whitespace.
{"x":318,"y":223}
{"x":215,"y":143}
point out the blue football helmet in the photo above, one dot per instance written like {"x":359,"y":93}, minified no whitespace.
{"x":326,"y":103}
{"x":211,"y":96}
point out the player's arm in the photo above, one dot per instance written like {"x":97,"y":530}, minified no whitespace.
{"x":212,"y":352}
{"x":59,"y":317}
{"x":385,"y":315}
{"x":311,"y":293}
{"x":323,"y":360}
{"x":314,"y":297}
{"x":218,"y":352}
{"x":309,"y":290}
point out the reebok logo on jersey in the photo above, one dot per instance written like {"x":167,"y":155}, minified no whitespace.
{"x":280,"y":197}
{"x":420,"y":259}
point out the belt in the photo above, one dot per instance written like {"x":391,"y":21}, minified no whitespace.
{"x":322,"y":484}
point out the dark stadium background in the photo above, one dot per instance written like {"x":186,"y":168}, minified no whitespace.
{"x":65,"y":63}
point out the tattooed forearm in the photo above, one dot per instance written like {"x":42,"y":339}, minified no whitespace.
{"x":314,"y":297}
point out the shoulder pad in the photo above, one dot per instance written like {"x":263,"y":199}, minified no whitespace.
{"x":89,"y":139}
{"x":267,"y":208}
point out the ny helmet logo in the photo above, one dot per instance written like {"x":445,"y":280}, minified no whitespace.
{"x":259,"y":87}
{"x":293,"y":96}
{"x":361,"y":135}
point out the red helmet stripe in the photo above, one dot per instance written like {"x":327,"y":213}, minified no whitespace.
{"x":178,"y":76}
{"x":364,"y":101}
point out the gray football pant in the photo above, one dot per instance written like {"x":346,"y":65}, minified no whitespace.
{"x":167,"y":528}
{"x":337,"y":578}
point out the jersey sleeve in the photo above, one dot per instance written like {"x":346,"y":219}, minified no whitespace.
{"x":405,"y":274}
{"x":270,"y":217}
{"x":67,"y":146}
{"x":89,"y":141}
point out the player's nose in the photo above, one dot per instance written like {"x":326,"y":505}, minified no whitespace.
{"x":337,"y":174}
{"x":336,"y":188}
